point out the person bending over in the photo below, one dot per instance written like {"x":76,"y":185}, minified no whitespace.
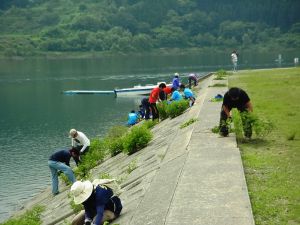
{"x":153,"y":98}
{"x":100,"y":203}
{"x":235,"y":98}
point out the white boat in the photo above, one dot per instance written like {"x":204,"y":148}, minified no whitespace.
{"x":72,"y":92}
{"x":136,"y":90}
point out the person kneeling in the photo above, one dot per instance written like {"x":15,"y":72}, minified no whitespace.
{"x":100,"y":203}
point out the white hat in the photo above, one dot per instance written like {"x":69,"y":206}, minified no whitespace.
{"x":176,"y":74}
{"x":81,"y":191}
{"x":72,"y":132}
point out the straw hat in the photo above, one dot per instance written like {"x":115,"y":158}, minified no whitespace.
{"x":81,"y":191}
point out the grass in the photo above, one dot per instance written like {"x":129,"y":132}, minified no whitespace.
{"x":272,"y":163}
{"x":31,"y":217}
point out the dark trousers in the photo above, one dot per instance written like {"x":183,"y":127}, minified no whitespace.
{"x":146,"y":108}
{"x":79,"y":147}
{"x":155,"y":114}
{"x":190,"y":81}
{"x":247,"y":126}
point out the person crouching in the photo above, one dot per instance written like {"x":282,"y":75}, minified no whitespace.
{"x":188,"y":94}
{"x":100,"y":203}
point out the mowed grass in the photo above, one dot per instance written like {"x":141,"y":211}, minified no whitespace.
{"x":272,"y":164}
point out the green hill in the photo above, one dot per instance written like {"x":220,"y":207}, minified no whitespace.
{"x":30,"y":27}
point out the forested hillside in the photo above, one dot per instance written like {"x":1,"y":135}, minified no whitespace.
{"x":30,"y":27}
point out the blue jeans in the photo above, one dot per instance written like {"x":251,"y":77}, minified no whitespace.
{"x":54,"y":168}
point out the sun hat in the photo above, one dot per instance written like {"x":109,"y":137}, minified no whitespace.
{"x":81,"y":191}
{"x":72,"y":132}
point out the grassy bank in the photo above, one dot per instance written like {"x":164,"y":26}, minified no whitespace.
{"x":272,"y":164}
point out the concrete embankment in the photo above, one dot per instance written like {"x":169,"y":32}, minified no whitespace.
{"x":184,"y":176}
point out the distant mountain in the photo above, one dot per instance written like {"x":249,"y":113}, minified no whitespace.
{"x":29,"y":27}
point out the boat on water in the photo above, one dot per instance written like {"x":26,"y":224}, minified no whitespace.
{"x":72,"y":92}
{"x":136,"y":90}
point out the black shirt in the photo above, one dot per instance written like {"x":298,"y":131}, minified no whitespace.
{"x":239,"y":103}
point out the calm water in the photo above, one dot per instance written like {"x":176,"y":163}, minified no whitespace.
{"x":35,"y":117}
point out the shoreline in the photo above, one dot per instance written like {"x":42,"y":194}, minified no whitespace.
{"x":45,"y":195}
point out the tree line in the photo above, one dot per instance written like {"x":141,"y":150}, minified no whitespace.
{"x":32,"y":26}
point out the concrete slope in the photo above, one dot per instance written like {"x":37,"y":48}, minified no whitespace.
{"x":184,"y":176}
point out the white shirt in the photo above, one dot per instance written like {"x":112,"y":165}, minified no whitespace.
{"x":234,"y":57}
{"x":83,"y":140}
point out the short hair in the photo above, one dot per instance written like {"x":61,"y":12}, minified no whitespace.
{"x":162,"y":85}
{"x":173,"y":89}
{"x":132,"y":111}
{"x":75,"y":151}
{"x":234,"y":92}
{"x":182,"y":86}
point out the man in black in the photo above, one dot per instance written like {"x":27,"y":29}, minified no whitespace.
{"x":235,"y":98}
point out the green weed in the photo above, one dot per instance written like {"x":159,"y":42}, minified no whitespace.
{"x":176,"y":108}
{"x":216,"y":100}
{"x":92,"y":158}
{"x":150,"y":123}
{"x":187,"y":123}
{"x":76,"y":208}
{"x":136,"y":139}
{"x":114,"y":139}
{"x":105,"y":176}
{"x":291,"y":136}
{"x":30,"y":217}
{"x":218,"y":85}
{"x":162,"y":109}
{"x":244,"y":122}
{"x":64,"y":178}
{"x":215,"y":129}
{"x":221,"y":72}
{"x":131,"y":166}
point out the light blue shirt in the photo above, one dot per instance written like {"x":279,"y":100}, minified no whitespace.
{"x":188,"y":93}
{"x":176,"y":96}
{"x":132,"y":118}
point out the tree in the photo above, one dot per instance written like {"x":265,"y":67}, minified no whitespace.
{"x":167,"y":36}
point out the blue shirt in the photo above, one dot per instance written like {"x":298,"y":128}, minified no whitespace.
{"x":175,"y":83}
{"x":63,"y":156}
{"x":176,"y":96}
{"x":188,"y":93}
{"x":95,"y":204}
{"x":132,"y":118}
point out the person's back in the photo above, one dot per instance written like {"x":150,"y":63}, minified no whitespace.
{"x":175,"y":81}
{"x":176,"y":96}
{"x":132,"y":118}
{"x":154,"y":95}
{"x":236,"y":98}
{"x":188,"y":93}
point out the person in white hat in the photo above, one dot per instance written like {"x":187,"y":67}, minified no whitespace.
{"x":175,"y":81}
{"x":79,"y":141}
{"x":100,"y":203}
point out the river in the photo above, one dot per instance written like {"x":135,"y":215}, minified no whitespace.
{"x":35,"y":116}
